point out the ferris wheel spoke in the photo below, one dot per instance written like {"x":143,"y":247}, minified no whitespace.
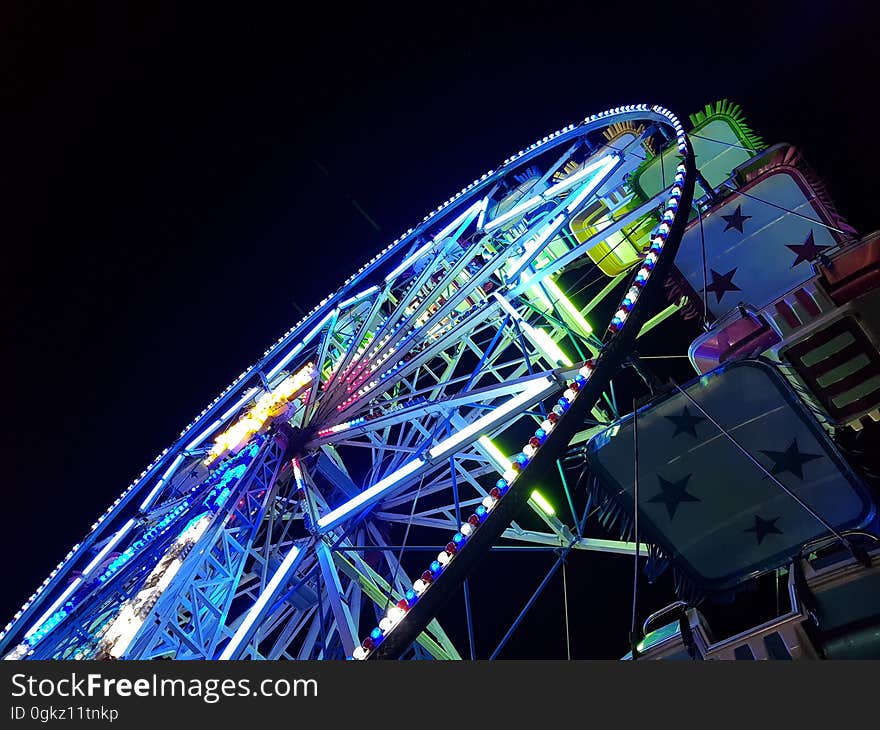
{"x":398,"y":345}
{"x":287,"y":628}
{"x":592,"y":544}
{"x":324,"y":629}
{"x":426,"y":363}
{"x":434,"y":639}
{"x":349,"y":561}
{"x":441,"y":483}
{"x":428,"y":408}
{"x":454,"y":229}
{"x":561,"y":214}
{"x":362,"y":330}
{"x":581,"y":249}
{"x":345,"y":624}
{"x":320,"y":358}
{"x":437,"y":343}
{"x":389,"y":343}
{"x":407,"y":388}
{"x":529,"y":393}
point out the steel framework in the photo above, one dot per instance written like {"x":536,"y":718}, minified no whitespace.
{"x":294,"y":516}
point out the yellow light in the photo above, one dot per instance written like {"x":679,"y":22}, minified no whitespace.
{"x":269,"y":405}
{"x":542,"y":502}
{"x":501,"y":461}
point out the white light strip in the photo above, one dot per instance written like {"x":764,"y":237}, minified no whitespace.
{"x":203,"y":435}
{"x":254,"y":613}
{"x":508,"y":307}
{"x":604,"y":166}
{"x":297,"y":474}
{"x":408,"y":261}
{"x":54,"y":607}
{"x":539,"y":338}
{"x":608,"y":161}
{"x":113,"y":542}
{"x":286,"y":359}
{"x":241,"y":401}
{"x":318,"y":327}
{"x":296,"y":350}
{"x":545,"y":343}
{"x":333,"y":518}
{"x":533,"y":392}
{"x":359,"y":297}
{"x":513,"y":212}
{"x":502,"y":463}
{"x":441,"y":234}
{"x":475,"y":208}
{"x":578,"y":198}
{"x":550,"y":230}
{"x":165,"y":477}
{"x":153,"y":492}
{"x":173,"y":468}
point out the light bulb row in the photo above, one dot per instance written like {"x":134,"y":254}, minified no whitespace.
{"x":659,"y":235}
{"x":412,"y":352}
{"x":396,"y":613}
{"x":371,"y":416}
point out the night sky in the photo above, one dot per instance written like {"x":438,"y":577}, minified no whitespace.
{"x":177,"y":189}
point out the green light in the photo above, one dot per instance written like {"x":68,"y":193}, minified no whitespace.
{"x":538,"y":292}
{"x":574,"y":314}
{"x":566,"y":304}
{"x":542,"y":502}
{"x":502,"y":463}
{"x":545,"y":343}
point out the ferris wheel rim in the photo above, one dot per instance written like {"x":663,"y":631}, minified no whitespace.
{"x":171,"y":457}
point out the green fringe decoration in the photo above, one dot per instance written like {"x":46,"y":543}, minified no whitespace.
{"x":722,"y":109}
{"x":734,"y":114}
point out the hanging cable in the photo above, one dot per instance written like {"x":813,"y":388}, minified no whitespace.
{"x":857,"y":553}
{"x":412,"y":513}
{"x":565,"y":604}
{"x":634,"y":634}
{"x":790,"y":212}
{"x":705,"y":275}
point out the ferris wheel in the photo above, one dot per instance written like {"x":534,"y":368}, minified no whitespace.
{"x":332,"y":500}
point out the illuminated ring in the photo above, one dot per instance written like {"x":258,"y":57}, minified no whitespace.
{"x":160,"y":472}
{"x":410,"y":619}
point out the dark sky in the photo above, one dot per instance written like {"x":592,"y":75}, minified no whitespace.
{"x":164,"y":216}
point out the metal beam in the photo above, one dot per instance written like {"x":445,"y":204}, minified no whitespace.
{"x":345,"y":625}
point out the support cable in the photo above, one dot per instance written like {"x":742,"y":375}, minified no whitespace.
{"x":634,"y":633}
{"x":855,"y":552}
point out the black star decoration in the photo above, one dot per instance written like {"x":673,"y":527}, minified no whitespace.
{"x":791,"y":460}
{"x":764,"y":527}
{"x":806,"y":251}
{"x":685,"y":423}
{"x":673,"y":494}
{"x":722,"y":283}
{"x":735,"y":219}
